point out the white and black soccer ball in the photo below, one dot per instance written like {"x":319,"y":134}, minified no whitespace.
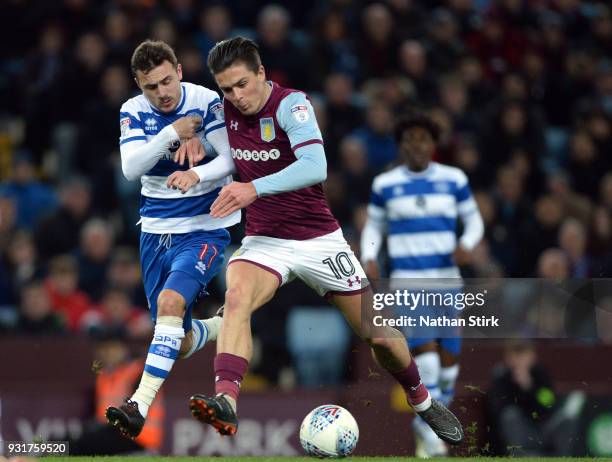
{"x":329,"y":431}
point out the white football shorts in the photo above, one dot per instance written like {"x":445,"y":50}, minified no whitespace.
{"x":326,"y":263}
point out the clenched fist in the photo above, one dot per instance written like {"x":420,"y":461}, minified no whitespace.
{"x":186,"y":126}
{"x":183,"y":180}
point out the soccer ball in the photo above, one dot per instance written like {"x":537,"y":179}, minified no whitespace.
{"x":329,"y":431}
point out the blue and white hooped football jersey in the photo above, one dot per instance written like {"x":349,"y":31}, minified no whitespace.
{"x":419,"y":212}
{"x":165,"y":210}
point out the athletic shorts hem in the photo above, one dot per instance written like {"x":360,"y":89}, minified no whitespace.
{"x":260,"y":265}
{"x":331,"y":293}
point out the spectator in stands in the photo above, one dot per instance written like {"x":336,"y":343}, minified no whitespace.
{"x":32,"y":198}
{"x":84,"y":72}
{"x":215,"y":25}
{"x":21,"y":260}
{"x":94,"y":256}
{"x":572,"y":239}
{"x":62,"y":289}
{"x":285,"y":61}
{"x":97,"y":152}
{"x":332,"y":51}
{"x":377,"y":136}
{"x":36,"y":315}
{"x":342,"y":110}
{"x":117,"y":31}
{"x":523,"y":409}
{"x":124,"y":273}
{"x":377,"y":41}
{"x":585,"y":164}
{"x":116,"y":313}
{"x":163,"y":29}
{"x":443,"y":45}
{"x":8,"y":217}
{"x":355,"y":170}
{"x":453,"y":96}
{"x":412,"y":63}
{"x":543,"y":232}
{"x":43,"y":91}
{"x":58,"y":233}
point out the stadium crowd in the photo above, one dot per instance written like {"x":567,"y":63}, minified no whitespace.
{"x":522,"y":91}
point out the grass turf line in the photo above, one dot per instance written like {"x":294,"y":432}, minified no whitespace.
{"x":304,"y":459}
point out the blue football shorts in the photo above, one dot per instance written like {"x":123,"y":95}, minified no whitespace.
{"x":185,"y":263}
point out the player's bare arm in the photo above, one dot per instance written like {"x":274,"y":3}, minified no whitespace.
{"x":462,"y":256}
{"x":232,"y":197}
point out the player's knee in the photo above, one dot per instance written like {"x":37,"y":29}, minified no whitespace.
{"x":236,"y":303}
{"x":170,"y":303}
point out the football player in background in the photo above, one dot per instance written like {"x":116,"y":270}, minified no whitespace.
{"x":416,"y":205}
{"x":278,"y":153}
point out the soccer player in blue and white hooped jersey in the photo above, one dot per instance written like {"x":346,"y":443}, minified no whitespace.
{"x":416,"y":205}
{"x":181,"y":245}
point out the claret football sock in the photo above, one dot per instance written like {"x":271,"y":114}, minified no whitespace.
{"x":229,"y":372}
{"x":410,"y":380}
{"x":163,"y":352}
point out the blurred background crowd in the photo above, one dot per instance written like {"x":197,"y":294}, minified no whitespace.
{"x":522,"y":90}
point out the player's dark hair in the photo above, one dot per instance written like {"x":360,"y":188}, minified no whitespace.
{"x":150,"y":54}
{"x":231,"y":51}
{"x":416,"y":120}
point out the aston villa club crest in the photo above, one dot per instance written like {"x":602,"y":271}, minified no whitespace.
{"x":266,"y":127}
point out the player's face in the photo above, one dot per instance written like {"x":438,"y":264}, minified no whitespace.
{"x":162,"y":86}
{"x":245,"y":89}
{"x":417,"y":148}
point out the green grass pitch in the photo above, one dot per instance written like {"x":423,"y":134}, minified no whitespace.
{"x":306,"y":459}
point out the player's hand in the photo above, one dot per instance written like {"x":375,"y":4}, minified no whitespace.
{"x":191,"y":149}
{"x":186,"y":126}
{"x":183,"y":180}
{"x":371,"y":269}
{"x":462,"y":256}
{"x":232,"y":197}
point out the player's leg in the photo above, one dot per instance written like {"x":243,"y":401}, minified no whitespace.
{"x":249,"y":286}
{"x":425,"y":354}
{"x":391,"y":352}
{"x":182,"y":262}
{"x":449,"y":351}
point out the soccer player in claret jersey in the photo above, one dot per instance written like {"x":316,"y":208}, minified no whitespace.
{"x":416,"y":205}
{"x":278,"y":153}
{"x":181,"y":244}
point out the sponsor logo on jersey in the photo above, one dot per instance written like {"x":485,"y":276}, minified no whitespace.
{"x":124,"y":124}
{"x":300,"y":113}
{"x":266,"y":128}
{"x":245,"y":154}
{"x":150,"y":124}
{"x":217,"y":111}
